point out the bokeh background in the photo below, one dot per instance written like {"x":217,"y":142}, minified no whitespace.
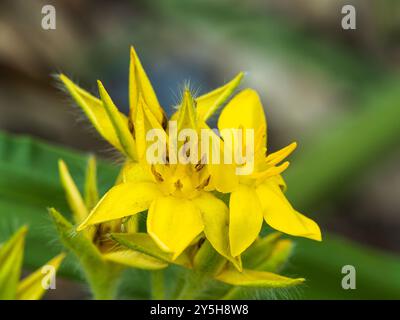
{"x":336,"y":92}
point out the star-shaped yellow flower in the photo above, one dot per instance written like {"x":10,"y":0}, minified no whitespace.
{"x":259,"y":195}
{"x":179,"y":208}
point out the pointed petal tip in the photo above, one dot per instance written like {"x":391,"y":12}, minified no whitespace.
{"x":57,"y":260}
{"x":316,"y":236}
{"x":187,"y":95}
{"x":157,"y":240}
{"x":175,"y":256}
{"x":240,"y":75}
{"x":62,"y":77}
{"x":22,"y":231}
{"x":132,"y":51}
{"x":100,"y":86}
{"x":61,"y":164}
{"x":61,"y":256}
{"x":236,"y":251}
{"x":292,"y":146}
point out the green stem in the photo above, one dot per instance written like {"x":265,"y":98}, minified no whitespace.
{"x":157,"y":285}
{"x":104,"y":283}
{"x":191,"y":287}
{"x":207,"y":263}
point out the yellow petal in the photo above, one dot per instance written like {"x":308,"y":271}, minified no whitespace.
{"x":245,"y":111}
{"x":11,"y":256}
{"x":139,"y":85}
{"x":134,"y":172}
{"x":245,"y":219}
{"x":280,"y":215}
{"x":74,"y":198}
{"x":94,"y":110}
{"x":187,"y":117}
{"x":119,"y":123}
{"x":91,"y":192}
{"x":123,"y":200}
{"x":270,"y":172}
{"x":208,"y":103}
{"x":253,"y":278}
{"x":223,"y":177}
{"x":135,"y":259}
{"x":215,"y":215}
{"x":144,"y":122}
{"x":278,"y":156}
{"x":173,"y":223}
{"x":31,"y":288}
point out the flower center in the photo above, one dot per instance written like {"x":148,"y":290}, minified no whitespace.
{"x":181,"y":180}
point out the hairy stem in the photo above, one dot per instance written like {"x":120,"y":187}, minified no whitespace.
{"x":157,"y":285}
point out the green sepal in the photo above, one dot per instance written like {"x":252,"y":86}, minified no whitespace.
{"x":11,"y":257}
{"x":101,"y":275}
{"x":260,"y":251}
{"x":142,"y":242}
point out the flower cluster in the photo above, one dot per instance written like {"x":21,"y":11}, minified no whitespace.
{"x":194,"y":210}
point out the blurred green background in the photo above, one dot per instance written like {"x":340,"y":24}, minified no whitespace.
{"x":336,"y":92}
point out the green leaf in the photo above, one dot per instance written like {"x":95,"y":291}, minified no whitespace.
{"x":30,"y":184}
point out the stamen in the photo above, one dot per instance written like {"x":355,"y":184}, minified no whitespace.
{"x":178,"y":185}
{"x":164,"y":122}
{"x":156,"y":174}
{"x":131,"y":127}
{"x":199,"y":166}
{"x":204,"y":183}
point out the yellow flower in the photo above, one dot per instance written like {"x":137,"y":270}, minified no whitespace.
{"x":179,"y":209}
{"x":182,"y":182}
{"x":260,"y":195}
{"x":11,"y":256}
{"x":178,"y":196}
{"x":182,"y":199}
